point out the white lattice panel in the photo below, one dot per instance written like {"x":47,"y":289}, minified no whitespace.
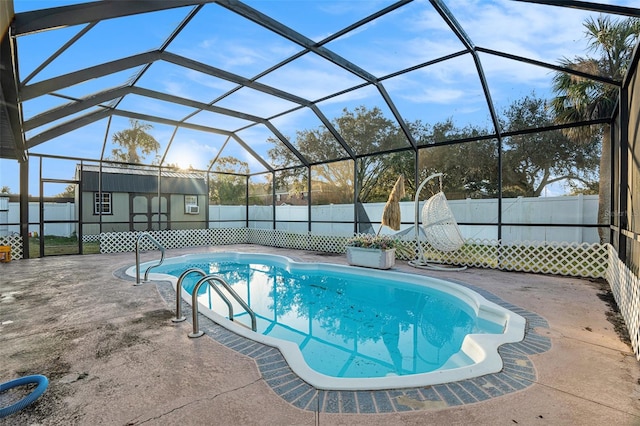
{"x":625,"y":286}
{"x":290,"y":240}
{"x":15,"y":242}
{"x":578,"y":260}
{"x":225,"y":236}
{"x":581,"y":260}
{"x":321,"y":243}
{"x":328,"y":244}
{"x":571,"y":259}
{"x":261,"y":237}
{"x":91,"y":238}
{"x":118,"y":242}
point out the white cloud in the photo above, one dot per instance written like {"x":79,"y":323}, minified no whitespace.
{"x":207,"y":81}
{"x":301,"y":119}
{"x":311,"y":77}
{"x":355,"y":96}
{"x":539,"y":32}
{"x":256,"y":103}
{"x":438,"y":96}
{"x":176,"y":88}
{"x":240,"y":55}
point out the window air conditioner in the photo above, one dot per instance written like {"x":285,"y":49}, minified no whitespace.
{"x":193,"y":209}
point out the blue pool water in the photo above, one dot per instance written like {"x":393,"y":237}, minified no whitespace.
{"x":350,"y":322}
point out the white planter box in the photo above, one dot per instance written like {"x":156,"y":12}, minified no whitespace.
{"x":371,"y":258}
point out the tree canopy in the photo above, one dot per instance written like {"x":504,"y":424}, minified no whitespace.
{"x":531,"y":161}
{"x":228,"y":186}
{"x":578,"y":98}
{"x":364,"y":131}
{"x":131,"y":140}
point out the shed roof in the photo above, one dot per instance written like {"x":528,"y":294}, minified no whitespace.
{"x":136,"y":180}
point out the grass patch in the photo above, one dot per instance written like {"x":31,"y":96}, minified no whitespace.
{"x":54,"y":246}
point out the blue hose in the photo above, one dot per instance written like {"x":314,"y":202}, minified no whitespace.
{"x":42,"y":383}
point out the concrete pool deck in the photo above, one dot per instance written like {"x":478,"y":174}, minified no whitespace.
{"x":113,"y":356}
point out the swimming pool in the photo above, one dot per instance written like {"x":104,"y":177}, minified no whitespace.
{"x":341,"y":327}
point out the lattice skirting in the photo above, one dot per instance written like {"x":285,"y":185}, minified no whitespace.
{"x":119,"y":242}
{"x":92,"y":238}
{"x":570,"y":259}
{"x":15,"y":242}
{"x":579,"y":260}
{"x":625,"y":286}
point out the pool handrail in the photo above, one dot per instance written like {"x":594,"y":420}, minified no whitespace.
{"x":179,"y":317}
{"x":194,"y":302}
{"x":154,"y":242}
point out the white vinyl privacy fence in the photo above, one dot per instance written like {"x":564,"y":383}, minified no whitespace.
{"x":481,"y":217}
{"x":63,"y":212}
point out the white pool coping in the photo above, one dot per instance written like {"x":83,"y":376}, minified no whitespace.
{"x":481,"y":348}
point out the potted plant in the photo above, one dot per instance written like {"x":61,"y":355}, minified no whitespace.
{"x":372,"y":251}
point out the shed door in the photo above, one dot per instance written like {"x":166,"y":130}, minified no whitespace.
{"x":145,"y":213}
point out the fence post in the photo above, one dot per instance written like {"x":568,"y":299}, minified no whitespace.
{"x":580,"y":217}
{"x":4,"y":216}
{"x":70,"y":216}
{"x":520,"y":203}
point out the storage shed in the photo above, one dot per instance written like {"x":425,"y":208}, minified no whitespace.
{"x":117,"y":199}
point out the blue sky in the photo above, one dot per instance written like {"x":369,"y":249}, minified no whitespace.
{"x":409,"y":36}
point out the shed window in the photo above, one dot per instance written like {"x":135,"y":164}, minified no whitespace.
{"x":189,"y":201}
{"x":102,"y":203}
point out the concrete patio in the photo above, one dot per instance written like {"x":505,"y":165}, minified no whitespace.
{"x":113,"y":356}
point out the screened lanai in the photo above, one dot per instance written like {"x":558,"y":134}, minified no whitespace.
{"x":287,"y":123}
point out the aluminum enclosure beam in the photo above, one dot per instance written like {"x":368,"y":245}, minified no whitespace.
{"x":558,"y":68}
{"x":12,"y":145}
{"x":99,"y":115}
{"x":109,"y":95}
{"x":51,"y":85}
{"x":64,"y":16}
{"x":288,"y":33}
{"x":70,"y":79}
{"x":583,"y":5}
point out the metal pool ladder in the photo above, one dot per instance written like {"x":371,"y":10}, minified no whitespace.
{"x":158,"y":245}
{"x":194,"y":299}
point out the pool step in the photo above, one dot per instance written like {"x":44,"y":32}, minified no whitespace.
{"x":244,"y":325}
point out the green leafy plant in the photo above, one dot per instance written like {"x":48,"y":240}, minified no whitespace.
{"x":381,"y":242}
{"x":404,"y":249}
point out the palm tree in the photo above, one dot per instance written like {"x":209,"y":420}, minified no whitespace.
{"x":579,"y":98}
{"x":132,"y":139}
